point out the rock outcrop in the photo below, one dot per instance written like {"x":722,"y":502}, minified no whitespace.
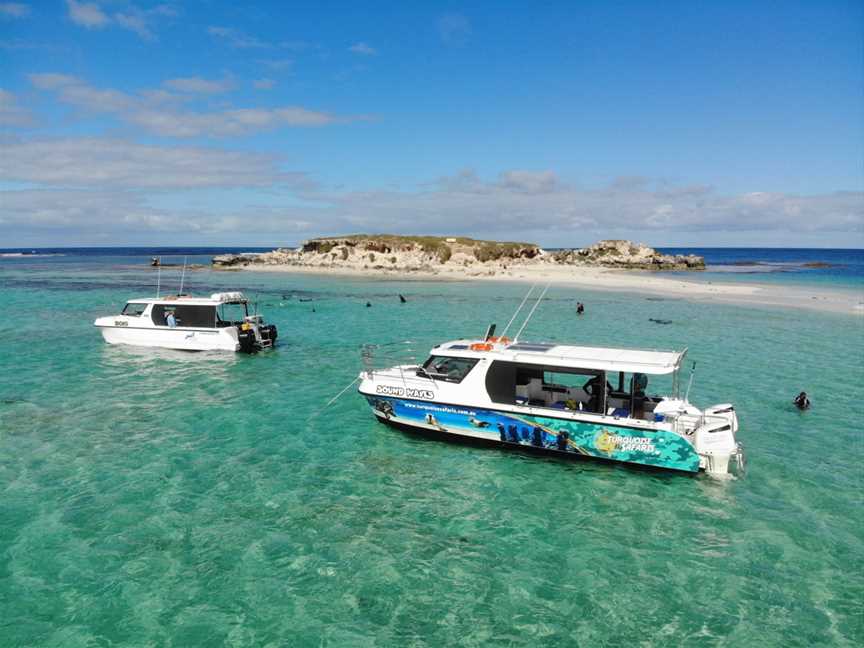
{"x":234,"y":260}
{"x":389,"y":252}
{"x":625,"y":254}
{"x":432,"y":254}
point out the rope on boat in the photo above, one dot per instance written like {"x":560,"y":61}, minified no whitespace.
{"x":531,"y":314}
{"x":333,"y":400}
{"x":506,"y":328}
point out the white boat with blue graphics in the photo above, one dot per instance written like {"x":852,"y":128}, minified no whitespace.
{"x":575,"y":401}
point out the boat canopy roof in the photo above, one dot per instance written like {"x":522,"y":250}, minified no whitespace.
{"x":576,"y":357}
{"x":213,"y":300}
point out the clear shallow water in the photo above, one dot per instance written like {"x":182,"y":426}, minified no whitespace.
{"x":192,"y":499}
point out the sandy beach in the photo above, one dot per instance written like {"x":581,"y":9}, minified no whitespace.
{"x":602,"y":279}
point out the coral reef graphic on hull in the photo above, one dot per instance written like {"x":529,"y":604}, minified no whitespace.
{"x":659,"y":448}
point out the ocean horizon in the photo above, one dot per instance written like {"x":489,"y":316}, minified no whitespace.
{"x":837,"y":268}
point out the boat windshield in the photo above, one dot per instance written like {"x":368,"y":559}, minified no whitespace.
{"x":134,"y":309}
{"x":231,"y":313}
{"x":447,"y":368}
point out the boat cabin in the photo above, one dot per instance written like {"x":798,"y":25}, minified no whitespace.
{"x":612,"y":382}
{"x":220,"y":310}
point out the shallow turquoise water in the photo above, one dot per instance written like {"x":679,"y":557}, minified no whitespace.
{"x":171,"y":499}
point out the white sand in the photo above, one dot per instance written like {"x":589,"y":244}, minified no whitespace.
{"x":642,"y":282}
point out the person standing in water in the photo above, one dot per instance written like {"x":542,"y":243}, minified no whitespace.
{"x":802,"y":401}
{"x":580,"y":308}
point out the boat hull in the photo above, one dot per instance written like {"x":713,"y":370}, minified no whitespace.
{"x":184,"y":339}
{"x":547,"y":435}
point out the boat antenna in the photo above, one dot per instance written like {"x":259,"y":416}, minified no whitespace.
{"x":528,"y":319}
{"x":504,"y":332}
{"x":183,"y":275}
{"x":158,"y":277}
{"x":690,"y":383}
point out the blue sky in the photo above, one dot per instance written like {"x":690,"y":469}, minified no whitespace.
{"x":692,"y":123}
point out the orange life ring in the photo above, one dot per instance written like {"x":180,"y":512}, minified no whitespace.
{"x":481,"y":346}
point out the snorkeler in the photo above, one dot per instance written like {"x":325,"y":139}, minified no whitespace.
{"x":801,"y":401}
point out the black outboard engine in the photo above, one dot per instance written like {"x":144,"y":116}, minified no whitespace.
{"x":253,"y":335}
{"x":268,"y":332}
{"x":246,"y":338}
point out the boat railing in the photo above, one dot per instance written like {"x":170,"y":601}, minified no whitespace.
{"x":380,"y":357}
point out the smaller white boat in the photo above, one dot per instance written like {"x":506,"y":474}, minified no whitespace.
{"x":220,"y":322}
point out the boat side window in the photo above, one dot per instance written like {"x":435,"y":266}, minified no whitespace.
{"x":447,"y":368}
{"x":562,"y":388}
{"x":196,"y":316}
{"x":133,"y":309}
{"x":584,"y":390}
{"x":631,"y":398}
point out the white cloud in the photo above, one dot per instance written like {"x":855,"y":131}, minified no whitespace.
{"x":95,"y":186}
{"x":12,"y":114}
{"x":363,"y":49}
{"x":236,"y":38}
{"x":151,"y":111}
{"x":92,"y":16}
{"x":537,"y":202}
{"x":76,"y":92}
{"x":109,"y":163}
{"x":228,"y":122}
{"x":87,"y":14}
{"x":278,"y":64}
{"x":264,"y":84}
{"x":14,"y":10}
{"x":529,"y":181}
{"x":199,"y":85}
{"x":136,"y":22}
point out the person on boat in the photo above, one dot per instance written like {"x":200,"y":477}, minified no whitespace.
{"x":801,"y":401}
{"x":595,"y":389}
{"x":170,"y":320}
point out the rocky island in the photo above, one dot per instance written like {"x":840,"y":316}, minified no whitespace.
{"x":433,"y":255}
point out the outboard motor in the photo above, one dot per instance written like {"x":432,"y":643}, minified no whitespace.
{"x":254,"y":335}
{"x":246,"y":338}
{"x":725,"y":410}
